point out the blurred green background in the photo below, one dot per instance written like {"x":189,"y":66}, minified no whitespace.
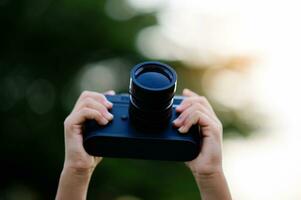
{"x":52,"y":50}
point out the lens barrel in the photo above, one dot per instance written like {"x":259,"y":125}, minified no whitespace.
{"x":152,"y":88}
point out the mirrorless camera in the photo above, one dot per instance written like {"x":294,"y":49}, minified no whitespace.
{"x":142,"y":127}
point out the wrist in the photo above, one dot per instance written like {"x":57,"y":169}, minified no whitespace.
{"x":205,"y":180}
{"x":73,"y":183}
{"x":77,"y":171}
{"x":206,"y":171}
{"x":213,"y":186}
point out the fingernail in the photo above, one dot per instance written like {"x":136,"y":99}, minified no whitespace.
{"x":106,"y":115}
{"x":175,"y":122}
{"x":105,"y":121}
{"x":109,"y":104}
{"x":182,"y":129}
{"x":110,"y":116}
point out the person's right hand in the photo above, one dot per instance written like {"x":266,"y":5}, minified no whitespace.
{"x":89,"y":106}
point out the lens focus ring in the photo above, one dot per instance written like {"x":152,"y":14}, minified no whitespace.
{"x":152,"y":89}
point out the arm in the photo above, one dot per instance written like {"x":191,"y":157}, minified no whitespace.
{"x":207,"y":167}
{"x":78,"y":165}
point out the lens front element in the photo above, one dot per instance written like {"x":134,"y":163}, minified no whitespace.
{"x":152,"y":89}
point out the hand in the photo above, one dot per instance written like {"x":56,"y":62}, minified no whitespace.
{"x":79,"y":165}
{"x":90,"y":105}
{"x":207,"y":167}
{"x":196,"y":110}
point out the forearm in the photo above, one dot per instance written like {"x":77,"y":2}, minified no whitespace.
{"x":213,"y":187}
{"x":73,"y":184}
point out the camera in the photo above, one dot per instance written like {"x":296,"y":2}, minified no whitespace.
{"x":142,"y":127}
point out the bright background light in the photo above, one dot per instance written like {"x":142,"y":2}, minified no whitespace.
{"x":200,"y":33}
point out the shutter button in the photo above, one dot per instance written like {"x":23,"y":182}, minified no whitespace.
{"x":124,"y":117}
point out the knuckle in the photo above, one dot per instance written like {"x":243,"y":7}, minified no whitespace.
{"x":102,"y":108}
{"x":98,"y":114}
{"x":102,"y":96}
{"x":217,"y":127}
{"x":85,"y":93}
{"x":85,"y":111}
{"x":220,"y":125}
{"x":88,"y":102}
{"x":198,"y":106}
{"x":67,"y":121}
{"x":201,"y":99}
{"x":68,"y":124}
{"x":101,"y":116}
{"x":193,"y":116}
{"x":197,"y":114}
{"x":214,"y":129}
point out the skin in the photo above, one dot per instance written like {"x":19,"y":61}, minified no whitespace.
{"x":206,"y":168}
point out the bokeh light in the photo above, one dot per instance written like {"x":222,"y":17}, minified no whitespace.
{"x":207,"y":34}
{"x":242,"y":55}
{"x":102,"y":76}
{"x":41,"y":96}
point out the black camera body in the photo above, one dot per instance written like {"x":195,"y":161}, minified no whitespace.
{"x":142,"y":127}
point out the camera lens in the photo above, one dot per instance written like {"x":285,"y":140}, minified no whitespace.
{"x":152,"y":89}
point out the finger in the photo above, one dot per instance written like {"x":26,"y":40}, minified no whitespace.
{"x":195,"y":99}
{"x":110,"y":92}
{"x":182,"y":117}
{"x":192,"y":119}
{"x":93,"y":104}
{"x":189,"y":93}
{"x":202,"y":120}
{"x":78,"y":118}
{"x":94,"y":95}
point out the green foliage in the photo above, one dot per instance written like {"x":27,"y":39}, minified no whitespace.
{"x":44,"y":43}
{"x":43,"y":46}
